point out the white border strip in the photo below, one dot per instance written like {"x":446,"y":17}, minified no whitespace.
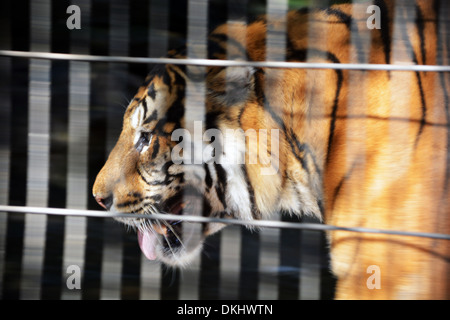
{"x":255,"y":223}
{"x":225,"y":63}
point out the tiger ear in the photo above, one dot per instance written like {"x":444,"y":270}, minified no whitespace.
{"x":232,"y":85}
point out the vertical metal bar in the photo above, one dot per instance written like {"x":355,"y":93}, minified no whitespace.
{"x":150,"y":279}
{"x":231,"y":236}
{"x":408,"y":18}
{"x":310,"y":263}
{"x":275,"y":51}
{"x":38,"y":151}
{"x":356,"y":125}
{"x":5,"y":118}
{"x":441,"y":165}
{"x":75,"y":231}
{"x":159,"y":28}
{"x":401,"y":52}
{"x":196,"y":48}
{"x":309,"y":274}
{"x":112,"y":252}
{"x":77,"y":166}
{"x":230,"y":255}
{"x":157,"y":47}
{"x":356,"y":129}
{"x":194,"y":117}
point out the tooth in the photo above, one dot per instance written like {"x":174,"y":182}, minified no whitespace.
{"x":162,"y":230}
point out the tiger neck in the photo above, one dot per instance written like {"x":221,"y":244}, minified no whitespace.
{"x":289,"y":177}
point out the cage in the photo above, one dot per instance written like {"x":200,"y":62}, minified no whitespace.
{"x":60,"y":118}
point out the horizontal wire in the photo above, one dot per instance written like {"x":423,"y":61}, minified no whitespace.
{"x":223,"y":63}
{"x":220,"y":63}
{"x":188,"y":218}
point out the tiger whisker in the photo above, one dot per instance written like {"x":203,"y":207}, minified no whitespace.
{"x":167,"y":240}
{"x":168,"y":225}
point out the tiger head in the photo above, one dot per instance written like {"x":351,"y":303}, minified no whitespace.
{"x":246,"y":170}
{"x":143,"y":174}
{"x":142,"y":177}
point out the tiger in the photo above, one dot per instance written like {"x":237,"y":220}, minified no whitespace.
{"x":353,"y":148}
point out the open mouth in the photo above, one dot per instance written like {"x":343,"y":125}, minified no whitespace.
{"x":165,"y":234}
{"x":148,"y":239}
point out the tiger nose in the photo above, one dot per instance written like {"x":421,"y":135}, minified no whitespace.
{"x":105,"y":202}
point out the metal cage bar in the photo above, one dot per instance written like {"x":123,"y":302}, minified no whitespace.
{"x":112,"y":265}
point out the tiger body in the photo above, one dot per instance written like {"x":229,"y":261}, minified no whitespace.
{"x":355,"y":148}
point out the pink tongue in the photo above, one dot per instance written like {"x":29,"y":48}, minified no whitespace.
{"x":147,"y":242}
